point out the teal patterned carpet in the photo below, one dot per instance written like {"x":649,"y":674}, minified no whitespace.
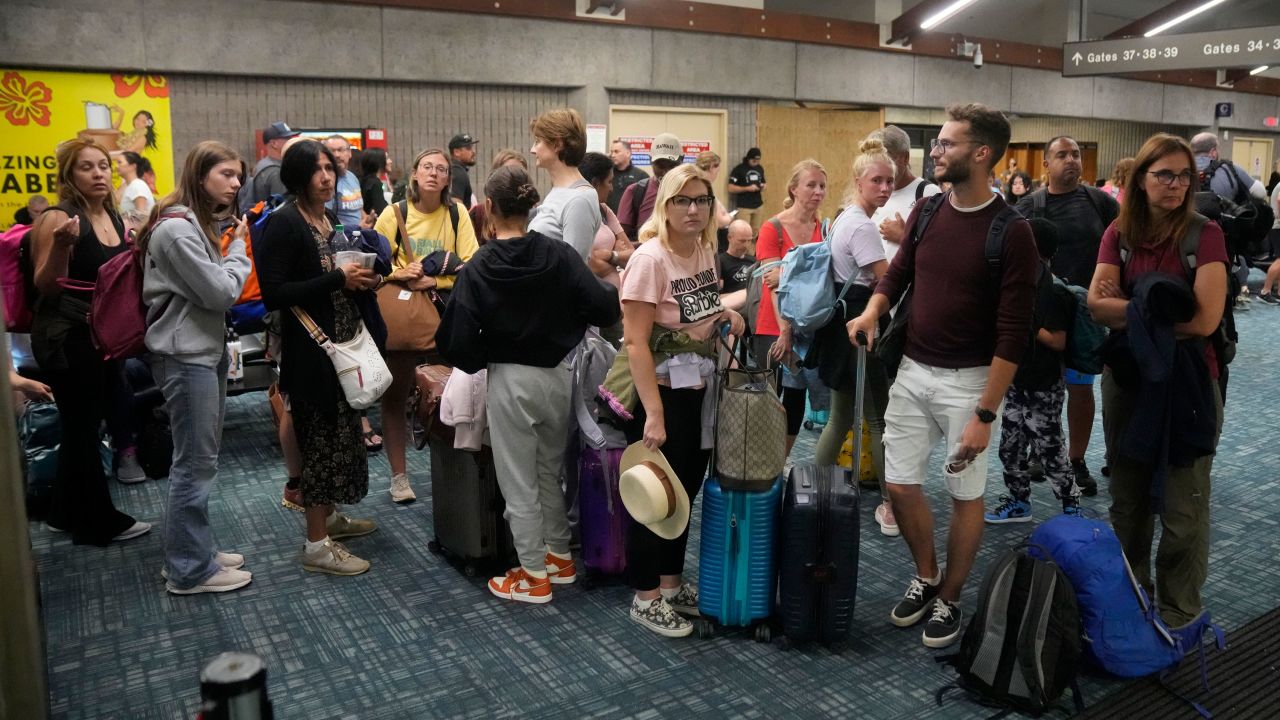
{"x":413,"y":638}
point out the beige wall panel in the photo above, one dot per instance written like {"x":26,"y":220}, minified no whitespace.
{"x":789,"y":135}
{"x":688,"y":124}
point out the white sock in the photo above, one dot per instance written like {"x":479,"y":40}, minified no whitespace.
{"x":332,"y":516}
{"x":561,"y":556}
{"x":313,"y":547}
{"x":536,"y":574}
{"x":936,"y":580}
{"x":668,"y":593}
{"x":645,"y":604}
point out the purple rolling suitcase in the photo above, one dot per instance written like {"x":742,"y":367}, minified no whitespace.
{"x":603,"y":520}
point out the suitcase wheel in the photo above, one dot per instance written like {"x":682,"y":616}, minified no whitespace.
{"x":784,"y":643}
{"x":808,"y":425}
{"x":705,"y":629}
{"x":469,"y":570}
{"x":764,"y":633}
{"x":434,"y":547}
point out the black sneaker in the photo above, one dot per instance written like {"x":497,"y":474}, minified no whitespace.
{"x":914,"y":604}
{"x":1269,"y":298}
{"x":1088,"y":486}
{"x":943,"y":627}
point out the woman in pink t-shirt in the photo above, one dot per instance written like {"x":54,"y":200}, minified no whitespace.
{"x":671,"y":283}
{"x":799,"y":219}
{"x":1158,"y":207}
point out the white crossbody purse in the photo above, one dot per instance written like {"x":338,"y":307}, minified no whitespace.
{"x":362,"y":372}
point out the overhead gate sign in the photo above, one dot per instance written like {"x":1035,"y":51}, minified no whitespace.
{"x":1242,"y":47}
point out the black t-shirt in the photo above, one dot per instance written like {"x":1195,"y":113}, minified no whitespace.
{"x":622,"y":179}
{"x":735,"y":272}
{"x":460,"y":184}
{"x":1041,"y":368}
{"x":742,"y":176}
{"x":1081,"y":219}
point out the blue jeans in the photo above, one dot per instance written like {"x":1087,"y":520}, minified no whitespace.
{"x":195,"y":397}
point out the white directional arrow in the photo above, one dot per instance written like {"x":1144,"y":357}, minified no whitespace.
{"x":1077,"y":58}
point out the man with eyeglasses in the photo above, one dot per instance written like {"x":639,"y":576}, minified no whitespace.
{"x":347,"y":202}
{"x":637,"y":202}
{"x":1081,"y":213}
{"x":967,"y":330}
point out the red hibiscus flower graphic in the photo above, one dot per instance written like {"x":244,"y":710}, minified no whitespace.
{"x":24,"y":103}
{"x":155,"y":86}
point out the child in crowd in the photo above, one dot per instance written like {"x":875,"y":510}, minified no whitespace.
{"x":1031,"y":428}
{"x":490,"y":322}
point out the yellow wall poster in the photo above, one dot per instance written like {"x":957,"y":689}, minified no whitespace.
{"x":39,"y":109}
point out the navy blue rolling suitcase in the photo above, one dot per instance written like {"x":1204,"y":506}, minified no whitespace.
{"x":737,"y":573}
{"x":818,"y":556}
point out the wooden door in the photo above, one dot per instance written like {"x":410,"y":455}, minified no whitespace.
{"x":787,"y":135}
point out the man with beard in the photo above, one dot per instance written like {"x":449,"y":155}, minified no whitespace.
{"x":1082,"y":213}
{"x":967,"y":329}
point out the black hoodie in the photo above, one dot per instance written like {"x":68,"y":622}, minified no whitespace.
{"x":524,"y":301}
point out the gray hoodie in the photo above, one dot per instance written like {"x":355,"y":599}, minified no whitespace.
{"x":184,"y":269}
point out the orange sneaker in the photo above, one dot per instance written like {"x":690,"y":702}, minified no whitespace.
{"x":517,"y":585}
{"x":561,"y":571}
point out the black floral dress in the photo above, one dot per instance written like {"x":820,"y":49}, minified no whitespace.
{"x":335,"y":465}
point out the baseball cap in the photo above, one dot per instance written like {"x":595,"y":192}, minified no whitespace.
{"x":753,"y":154}
{"x":277,"y":131}
{"x":462,"y":140}
{"x":666,"y":147}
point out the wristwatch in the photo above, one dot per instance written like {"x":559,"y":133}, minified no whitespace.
{"x":984,"y":415}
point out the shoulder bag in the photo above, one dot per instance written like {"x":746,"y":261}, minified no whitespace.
{"x":411,"y":316}
{"x":362,"y":372}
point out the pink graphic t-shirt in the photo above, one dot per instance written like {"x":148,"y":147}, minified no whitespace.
{"x":685,"y":291}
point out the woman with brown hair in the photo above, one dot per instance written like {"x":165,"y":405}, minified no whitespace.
{"x":569,"y":212}
{"x":70,"y":241}
{"x":1144,"y":258}
{"x":188,"y":286}
{"x":433,"y":221}
{"x":505,"y":157}
{"x":797,"y":224}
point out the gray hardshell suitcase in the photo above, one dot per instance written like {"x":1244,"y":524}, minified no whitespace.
{"x":467,"y":510}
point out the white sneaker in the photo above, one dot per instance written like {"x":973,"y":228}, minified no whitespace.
{"x":884,"y":517}
{"x":225,"y":580}
{"x":400,"y":490}
{"x":230,"y":561}
{"x":128,"y":470}
{"x":135,"y":530}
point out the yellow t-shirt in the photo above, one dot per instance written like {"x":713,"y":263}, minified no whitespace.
{"x":428,"y":233}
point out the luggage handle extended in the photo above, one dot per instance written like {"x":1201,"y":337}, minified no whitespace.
{"x":859,"y":387}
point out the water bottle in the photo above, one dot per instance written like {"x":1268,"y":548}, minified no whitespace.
{"x":233,"y":686}
{"x":339,"y":240}
{"x":235,"y":364}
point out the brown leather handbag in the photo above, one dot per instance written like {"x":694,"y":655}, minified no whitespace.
{"x":411,"y":317}
{"x":423,"y":407}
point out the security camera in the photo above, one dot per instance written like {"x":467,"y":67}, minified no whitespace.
{"x":977,"y":56}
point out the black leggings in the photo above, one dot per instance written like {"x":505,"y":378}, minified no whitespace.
{"x":792,"y":398}
{"x":649,"y":556}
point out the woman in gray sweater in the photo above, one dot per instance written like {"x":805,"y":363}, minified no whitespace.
{"x":188,"y":286}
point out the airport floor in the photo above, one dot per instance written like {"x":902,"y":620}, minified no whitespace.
{"x":414,"y":638}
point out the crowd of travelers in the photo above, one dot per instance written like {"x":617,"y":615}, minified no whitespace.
{"x":646,"y":256}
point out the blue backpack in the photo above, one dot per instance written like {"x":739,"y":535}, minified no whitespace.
{"x":806,"y":289}
{"x":1123,"y":632}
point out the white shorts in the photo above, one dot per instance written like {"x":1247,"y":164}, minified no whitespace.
{"x":925,"y":404}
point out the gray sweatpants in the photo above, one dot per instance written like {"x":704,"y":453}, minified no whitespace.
{"x":528,"y":418}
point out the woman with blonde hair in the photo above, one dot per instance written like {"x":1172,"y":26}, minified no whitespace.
{"x":709,"y":163}
{"x":70,"y":241}
{"x":670,"y":289}
{"x":1119,"y":179}
{"x":188,"y":286}
{"x":433,"y":221}
{"x":1140,"y":261}
{"x":857,"y":256}
{"x":797,"y":224}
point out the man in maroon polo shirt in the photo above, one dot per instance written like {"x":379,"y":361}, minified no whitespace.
{"x":967,"y":330}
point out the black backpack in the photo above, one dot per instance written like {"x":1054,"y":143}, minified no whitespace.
{"x":1245,"y":220}
{"x":1021,"y":649}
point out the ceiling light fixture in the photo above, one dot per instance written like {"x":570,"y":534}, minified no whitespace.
{"x":945,"y":13}
{"x":1259,"y":70}
{"x":1182,"y":18}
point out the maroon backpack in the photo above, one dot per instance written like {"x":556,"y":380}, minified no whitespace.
{"x":117,"y":315}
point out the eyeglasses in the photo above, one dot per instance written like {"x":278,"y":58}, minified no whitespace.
{"x":1167,"y":177}
{"x":946,"y":145}
{"x":437,"y":169}
{"x":682,"y":202}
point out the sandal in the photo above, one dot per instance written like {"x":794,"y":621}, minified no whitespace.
{"x":370,"y":443}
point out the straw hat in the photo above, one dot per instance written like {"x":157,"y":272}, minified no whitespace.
{"x":652,"y":493}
